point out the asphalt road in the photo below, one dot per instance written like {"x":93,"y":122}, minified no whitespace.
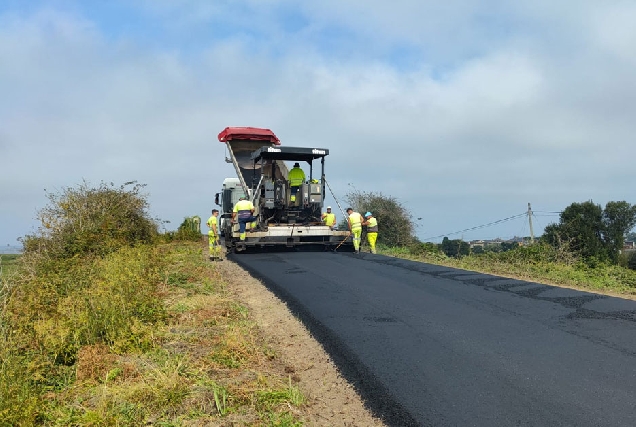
{"x":430,"y":345}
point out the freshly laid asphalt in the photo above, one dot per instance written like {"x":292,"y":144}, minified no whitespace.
{"x":431,"y":345}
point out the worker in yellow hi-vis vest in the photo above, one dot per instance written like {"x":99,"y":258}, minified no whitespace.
{"x":296,"y":178}
{"x":329,"y":218}
{"x":372,"y":229}
{"x":214,"y":242}
{"x":244,"y":213}
{"x":355,"y":226}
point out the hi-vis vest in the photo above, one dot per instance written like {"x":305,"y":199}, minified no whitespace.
{"x":296,"y":177}
{"x":330,"y":219}
{"x":356,"y":220}
{"x":243,"y":208}
{"x":372,"y":226}
{"x":212,"y":221}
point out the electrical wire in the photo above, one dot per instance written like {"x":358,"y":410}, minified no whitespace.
{"x":335,"y":199}
{"x":490,"y":224}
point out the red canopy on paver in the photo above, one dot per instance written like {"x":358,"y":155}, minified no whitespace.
{"x":253,"y":134}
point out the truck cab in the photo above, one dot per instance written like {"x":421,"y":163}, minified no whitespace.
{"x":226,"y":199}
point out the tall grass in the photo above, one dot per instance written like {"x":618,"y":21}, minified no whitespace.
{"x":143,"y":334}
{"x":538,"y":262}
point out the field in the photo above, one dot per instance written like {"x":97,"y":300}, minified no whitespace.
{"x":8,"y":263}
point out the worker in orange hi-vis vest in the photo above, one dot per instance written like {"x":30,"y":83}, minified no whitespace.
{"x":372,"y":229}
{"x":355,"y":226}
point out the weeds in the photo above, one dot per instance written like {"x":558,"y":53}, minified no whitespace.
{"x":143,"y":335}
{"x":220,"y":399}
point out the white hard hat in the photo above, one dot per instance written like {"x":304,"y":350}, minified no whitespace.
{"x":328,"y":207}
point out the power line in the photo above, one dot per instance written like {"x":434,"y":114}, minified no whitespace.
{"x":549,"y":212}
{"x":499,"y":221}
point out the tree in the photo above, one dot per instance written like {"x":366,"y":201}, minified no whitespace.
{"x":508,"y":246}
{"x":618,"y":219}
{"x":592,"y":232}
{"x":394,"y":220}
{"x":455,"y":248}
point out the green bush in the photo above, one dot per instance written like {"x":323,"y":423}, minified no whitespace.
{"x":394,"y":221}
{"x":189,"y":230}
{"x":85,"y":220}
{"x":631,"y":261}
{"x":422,"y":248}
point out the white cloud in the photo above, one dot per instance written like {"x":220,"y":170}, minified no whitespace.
{"x":461,"y":139}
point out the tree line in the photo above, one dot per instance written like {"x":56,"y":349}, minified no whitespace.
{"x":586,"y":230}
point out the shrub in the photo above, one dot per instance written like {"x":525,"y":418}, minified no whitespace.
{"x":189,"y":230}
{"x":85,"y":220}
{"x":423,"y":248}
{"x":394,"y":220}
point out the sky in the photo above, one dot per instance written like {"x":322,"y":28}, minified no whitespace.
{"x":465,"y":111}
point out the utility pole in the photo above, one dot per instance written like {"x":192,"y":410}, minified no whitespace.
{"x":530,"y":222}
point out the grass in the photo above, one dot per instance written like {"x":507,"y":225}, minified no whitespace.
{"x":146,"y":335}
{"x":538,"y":264}
{"x":8,"y":264}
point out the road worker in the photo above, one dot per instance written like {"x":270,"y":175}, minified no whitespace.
{"x":296,"y":178}
{"x":214,"y":242}
{"x":355,"y":226}
{"x":329,"y":218}
{"x":372,"y":229}
{"x":244,"y":213}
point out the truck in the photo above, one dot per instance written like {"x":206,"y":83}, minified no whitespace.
{"x":259,"y":160}
{"x":226,"y":199}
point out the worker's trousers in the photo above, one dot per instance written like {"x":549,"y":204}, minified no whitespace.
{"x":357,"y":232}
{"x":372,"y":237}
{"x":243,"y":224}
{"x":294,"y":190}
{"x":214,"y":245}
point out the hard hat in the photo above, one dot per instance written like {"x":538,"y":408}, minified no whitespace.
{"x":242,"y":197}
{"x":328,"y":207}
{"x":367,"y":214}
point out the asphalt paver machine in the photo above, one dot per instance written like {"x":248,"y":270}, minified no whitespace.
{"x":259,"y":160}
